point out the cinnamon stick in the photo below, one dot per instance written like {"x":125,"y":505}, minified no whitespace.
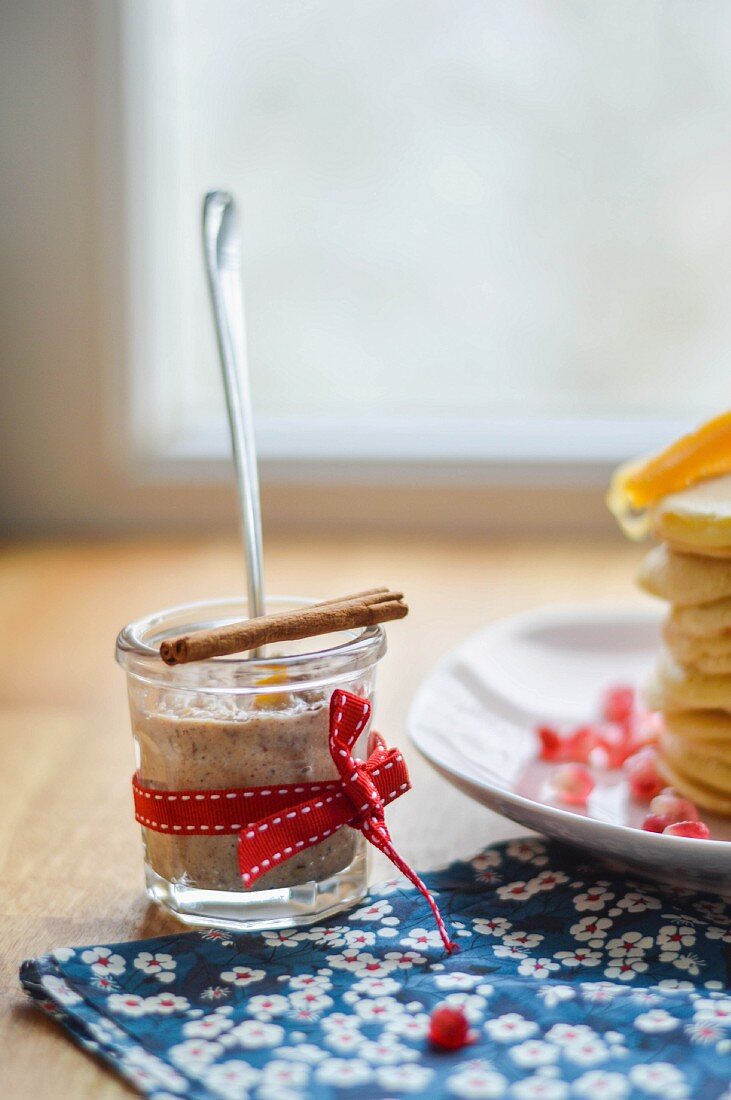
{"x":367,"y":608}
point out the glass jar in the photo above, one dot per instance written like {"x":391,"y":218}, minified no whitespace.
{"x":244,"y":721}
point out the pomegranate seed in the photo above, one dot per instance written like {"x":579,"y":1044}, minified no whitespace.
{"x":573,"y":784}
{"x":656,"y":823}
{"x":696,"y":829}
{"x":449,"y":1028}
{"x":673,"y":806}
{"x":576,"y":746}
{"x":618,"y":704}
{"x":645,"y":780}
{"x":614,"y":746}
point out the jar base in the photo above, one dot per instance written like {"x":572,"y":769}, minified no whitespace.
{"x":260,"y":910}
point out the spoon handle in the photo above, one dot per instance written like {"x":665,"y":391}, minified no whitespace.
{"x":222,"y":249}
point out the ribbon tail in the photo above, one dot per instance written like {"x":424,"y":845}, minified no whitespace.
{"x":379,"y":835}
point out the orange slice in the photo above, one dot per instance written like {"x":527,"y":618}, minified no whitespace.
{"x":636,"y":487}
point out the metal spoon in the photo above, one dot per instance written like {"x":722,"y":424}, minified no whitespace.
{"x":222,"y":248}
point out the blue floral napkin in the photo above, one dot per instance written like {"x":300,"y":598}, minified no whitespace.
{"x":575,"y":986}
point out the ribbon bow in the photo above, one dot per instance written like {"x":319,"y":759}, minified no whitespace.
{"x":365,"y":788}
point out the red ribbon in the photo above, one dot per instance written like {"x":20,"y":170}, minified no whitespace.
{"x":275,"y":822}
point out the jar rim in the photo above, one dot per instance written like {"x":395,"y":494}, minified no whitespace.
{"x":137,"y":647}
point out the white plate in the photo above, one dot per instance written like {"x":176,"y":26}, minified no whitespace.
{"x":474,"y":719}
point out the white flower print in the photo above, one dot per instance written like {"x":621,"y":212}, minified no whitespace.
{"x":155,"y":1070}
{"x":215,"y":993}
{"x":548,"y":880}
{"x":218,"y":935}
{"x":672,"y":938}
{"x":510,"y":1028}
{"x":533,"y":1052}
{"x":353,"y":960}
{"x":340,"y":1020}
{"x":208,"y":1027}
{"x":103,"y":961}
{"x":552,"y":995}
{"x":161,"y":965}
{"x":471,"y":1004}
{"x":515,"y":891}
{"x":715,"y":933}
{"x":358,"y":937}
{"x":307,"y":981}
{"x":61,"y":991}
{"x":489,"y":858}
{"x":344,"y":1040}
{"x":600,"y":1083}
{"x":375,"y":911}
{"x":716,"y":1011}
{"x":331,"y":937}
{"x":690,"y":963}
{"x":421,"y":939}
{"x":343,"y":1073}
{"x":231,"y":1080}
{"x":526,"y":940}
{"x":257,"y":1034}
{"x":404,"y":960}
{"x":703,"y":1032}
{"x":600,"y":992}
{"x":674,"y":985}
{"x":409,"y":1027}
{"x":580,"y":956}
{"x":631,"y":943}
{"x":266,"y":1005}
{"x":656,"y":1020}
{"x":660,"y":1079}
{"x":404,"y":1078}
{"x":63,"y":954}
{"x":477,"y":1080}
{"x":638,"y":902}
{"x":493,"y":926}
{"x":376,"y":987}
{"x":539,"y":1088}
{"x":594,"y":899}
{"x":588,"y":1052}
{"x":192,"y":1053}
{"x":242,"y":975}
{"x":591,"y":930}
{"x":379,"y":1009}
{"x":314,"y":999}
{"x":626,"y":969}
{"x":164,"y":1004}
{"x":128,"y":1004}
{"x":285,"y":1074}
{"x":387,"y":1051}
{"x":103,"y":981}
{"x":286,"y":937}
{"x":528,"y":851}
{"x":537,"y":968}
{"x":506,"y":951}
{"x":456,"y":979}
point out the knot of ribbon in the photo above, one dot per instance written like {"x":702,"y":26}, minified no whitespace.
{"x":274,"y":824}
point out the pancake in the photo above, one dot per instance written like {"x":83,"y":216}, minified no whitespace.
{"x":709,"y":655}
{"x":700,"y":727}
{"x":684,"y":579}
{"x":704,"y":620}
{"x":715,"y":801}
{"x":697,"y":519}
{"x":672,"y":686}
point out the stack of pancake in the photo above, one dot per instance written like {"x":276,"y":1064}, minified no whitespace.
{"x":691,"y":684}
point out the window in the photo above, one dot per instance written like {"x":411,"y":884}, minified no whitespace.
{"x":492,"y":232}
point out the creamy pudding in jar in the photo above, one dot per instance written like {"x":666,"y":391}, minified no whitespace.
{"x":203,"y":744}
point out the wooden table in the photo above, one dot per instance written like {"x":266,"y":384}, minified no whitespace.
{"x":71,"y":860}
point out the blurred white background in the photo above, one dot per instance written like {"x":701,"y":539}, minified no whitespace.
{"x":486,"y":244}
